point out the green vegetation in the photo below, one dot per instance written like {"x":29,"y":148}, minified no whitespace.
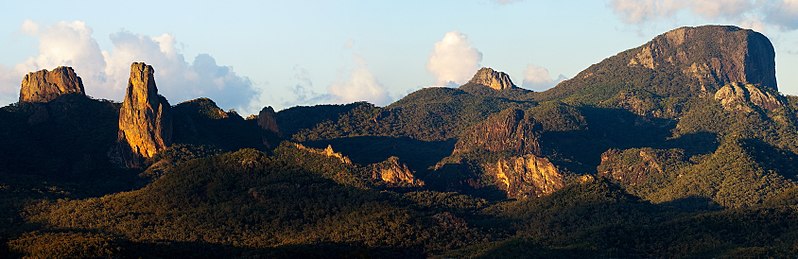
{"x":652,"y":165}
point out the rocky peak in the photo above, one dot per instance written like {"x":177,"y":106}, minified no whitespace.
{"x":526,"y":176}
{"x":394,"y":173}
{"x":145,"y":121}
{"x":713,"y":55}
{"x":745,"y":97}
{"x":267,"y":119}
{"x":327,"y":152}
{"x":44,"y":86}
{"x":494,"y":79}
{"x":511,"y":130}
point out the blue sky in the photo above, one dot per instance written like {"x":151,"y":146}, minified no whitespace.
{"x":250,"y":54}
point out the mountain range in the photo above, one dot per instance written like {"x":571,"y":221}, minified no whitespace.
{"x":681,"y":147}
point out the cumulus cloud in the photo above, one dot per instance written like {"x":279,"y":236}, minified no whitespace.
{"x":453,"y":59}
{"x":537,"y":78}
{"x":636,"y":11}
{"x":105,"y":72}
{"x":361,"y":85}
{"x":753,"y":13}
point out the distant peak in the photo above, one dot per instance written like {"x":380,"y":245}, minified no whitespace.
{"x":491,"y":78}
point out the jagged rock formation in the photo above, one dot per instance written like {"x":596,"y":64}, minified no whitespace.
{"x":267,"y":120}
{"x":145,"y":122}
{"x":526,"y":176}
{"x":394,"y":173}
{"x":494,"y":79}
{"x":744,"y":97}
{"x":44,"y":86}
{"x":714,"y":55}
{"x":327,"y":152}
{"x":511,"y":130}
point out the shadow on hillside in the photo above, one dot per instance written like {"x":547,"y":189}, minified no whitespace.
{"x":418,"y":155}
{"x":692,"y":204}
{"x":698,"y":143}
{"x":580,"y":151}
{"x":771,"y":158}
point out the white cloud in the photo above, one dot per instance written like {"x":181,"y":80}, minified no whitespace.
{"x":537,"y":78}
{"x":779,"y":13}
{"x":105,"y":72}
{"x":454,"y":60}
{"x":637,"y":11}
{"x":361,"y":85}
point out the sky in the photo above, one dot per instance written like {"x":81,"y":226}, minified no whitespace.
{"x":249,"y":54}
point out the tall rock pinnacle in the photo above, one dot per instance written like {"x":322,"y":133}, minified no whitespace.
{"x":44,"y":86}
{"x":267,"y":120}
{"x":494,"y":79}
{"x":145,"y":122}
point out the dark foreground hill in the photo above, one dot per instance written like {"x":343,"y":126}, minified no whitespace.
{"x":682,"y":147}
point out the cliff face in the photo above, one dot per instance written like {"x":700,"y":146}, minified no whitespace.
{"x":267,"y":120}
{"x":395,"y":174}
{"x":145,"y":121}
{"x":714,"y":55}
{"x":526,"y":176}
{"x":494,"y":79}
{"x":747,"y":97}
{"x":44,"y":86}
{"x":677,"y":65}
{"x":510,"y":130}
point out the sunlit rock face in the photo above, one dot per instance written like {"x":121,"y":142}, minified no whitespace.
{"x":327,"y":152}
{"x":494,"y":79}
{"x":145,"y":122}
{"x":267,"y":120}
{"x":747,"y":97}
{"x":44,"y":86}
{"x":394,"y":173}
{"x":526,"y":176}
{"x":713,"y":55}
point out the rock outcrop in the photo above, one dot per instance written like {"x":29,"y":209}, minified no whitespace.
{"x":747,"y":97}
{"x":714,"y":55}
{"x":638,"y":166}
{"x":494,"y":79}
{"x":511,"y":130}
{"x":145,"y":122}
{"x":327,"y":152}
{"x":395,"y":174}
{"x":526,"y":176}
{"x":44,"y":86}
{"x":267,"y":120}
